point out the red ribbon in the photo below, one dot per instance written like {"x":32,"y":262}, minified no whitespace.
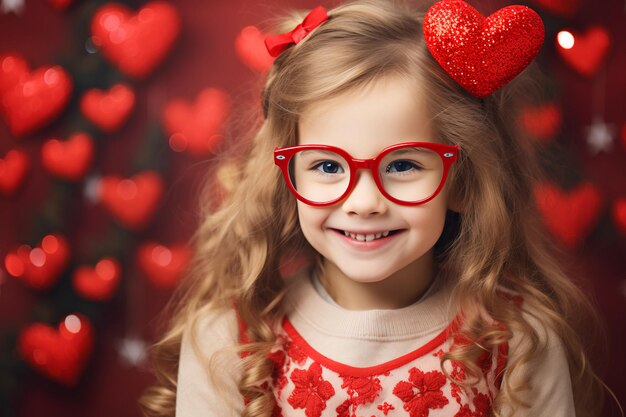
{"x":278,"y":43}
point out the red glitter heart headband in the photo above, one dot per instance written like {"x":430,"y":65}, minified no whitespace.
{"x":482,"y":54}
{"x":278,"y":43}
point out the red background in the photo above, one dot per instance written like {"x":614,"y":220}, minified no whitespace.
{"x":204,"y":56}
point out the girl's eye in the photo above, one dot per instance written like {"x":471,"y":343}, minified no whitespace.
{"x":329,"y":167}
{"x":402,"y":165}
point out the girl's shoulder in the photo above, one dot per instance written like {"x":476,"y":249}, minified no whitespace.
{"x":210,"y":332}
{"x":209,"y":366}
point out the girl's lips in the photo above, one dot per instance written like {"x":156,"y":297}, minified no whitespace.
{"x":364,"y":245}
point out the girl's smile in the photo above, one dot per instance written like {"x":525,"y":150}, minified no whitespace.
{"x":367,"y":240}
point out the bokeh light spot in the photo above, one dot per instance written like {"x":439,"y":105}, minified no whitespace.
{"x":14,"y":265}
{"x":37,"y":257}
{"x":161,"y":255}
{"x":565,"y":39}
{"x":72,"y":323}
{"x":127,"y":189}
{"x":105,"y":269}
{"x":50,"y":244}
{"x":178,"y":142}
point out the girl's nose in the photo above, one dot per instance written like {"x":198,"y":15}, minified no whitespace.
{"x":365,"y":198}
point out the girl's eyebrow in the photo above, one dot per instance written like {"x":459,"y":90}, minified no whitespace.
{"x":319,"y":151}
{"x":407,"y":150}
{"x":404,"y":151}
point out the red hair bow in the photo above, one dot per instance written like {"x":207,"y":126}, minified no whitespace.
{"x":278,"y":43}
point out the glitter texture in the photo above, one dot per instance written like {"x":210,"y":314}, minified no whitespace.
{"x":482,"y":53}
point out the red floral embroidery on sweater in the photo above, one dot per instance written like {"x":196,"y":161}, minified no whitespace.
{"x":362,"y":390}
{"x":311,"y":390}
{"x":277,"y":412}
{"x":343,"y":410}
{"x":482,"y":403}
{"x":386,"y":407}
{"x":278,"y":373}
{"x":295,"y":352}
{"x":428,"y":395}
{"x":482,"y":406}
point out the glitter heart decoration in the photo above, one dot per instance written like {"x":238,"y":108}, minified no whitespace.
{"x":482,"y":53}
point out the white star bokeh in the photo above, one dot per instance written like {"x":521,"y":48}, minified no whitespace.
{"x":132,"y":351}
{"x":12,"y":6}
{"x":91,"y":188}
{"x":600,"y":136}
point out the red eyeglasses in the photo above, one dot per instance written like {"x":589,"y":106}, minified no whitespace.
{"x":408,"y":173}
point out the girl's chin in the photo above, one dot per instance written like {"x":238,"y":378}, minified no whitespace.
{"x":367,"y":276}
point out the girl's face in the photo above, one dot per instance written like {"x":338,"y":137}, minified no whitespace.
{"x":363,"y":123}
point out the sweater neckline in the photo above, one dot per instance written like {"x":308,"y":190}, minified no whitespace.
{"x":354,"y":371}
{"x":434,"y":313}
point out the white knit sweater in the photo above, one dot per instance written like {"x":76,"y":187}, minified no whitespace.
{"x":383,"y":363}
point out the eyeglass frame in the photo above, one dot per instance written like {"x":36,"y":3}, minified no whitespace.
{"x":447,"y":153}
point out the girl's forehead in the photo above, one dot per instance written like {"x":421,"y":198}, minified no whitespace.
{"x":366,"y":120}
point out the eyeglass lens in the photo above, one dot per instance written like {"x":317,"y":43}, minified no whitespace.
{"x":407,"y":174}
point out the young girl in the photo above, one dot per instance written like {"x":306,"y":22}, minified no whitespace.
{"x":430,"y":289}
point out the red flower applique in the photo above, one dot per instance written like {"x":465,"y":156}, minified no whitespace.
{"x":277,"y":412}
{"x":278,"y":373}
{"x":482,"y":406}
{"x":464,"y":412}
{"x":386,"y":407}
{"x":311,"y":390}
{"x":295,"y":353}
{"x":422,"y":393}
{"x":482,"y":403}
{"x":278,"y":357}
{"x":360,"y":389}
{"x":344,"y":409}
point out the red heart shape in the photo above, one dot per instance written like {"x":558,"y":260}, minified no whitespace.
{"x":35,"y":99}
{"x":619,"y":214}
{"x":163,"y":265}
{"x":97,"y":283}
{"x":132,"y":201}
{"x":68,"y":159}
{"x":541,"y":122}
{"x":482,"y":54}
{"x":197,"y":127}
{"x":39,"y":267}
{"x":569,"y":216}
{"x":624,"y":135}
{"x":58,"y":354}
{"x":562,"y":8}
{"x":251,"y":49}
{"x":13,"y":169}
{"x":108,"y":110}
{"x":135,"y":42}
{"x":589,"y":50}
{"x":12,"y":67}
{"x":60,"y":4}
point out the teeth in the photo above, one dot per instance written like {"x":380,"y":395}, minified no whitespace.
{"x":366,"y":238}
